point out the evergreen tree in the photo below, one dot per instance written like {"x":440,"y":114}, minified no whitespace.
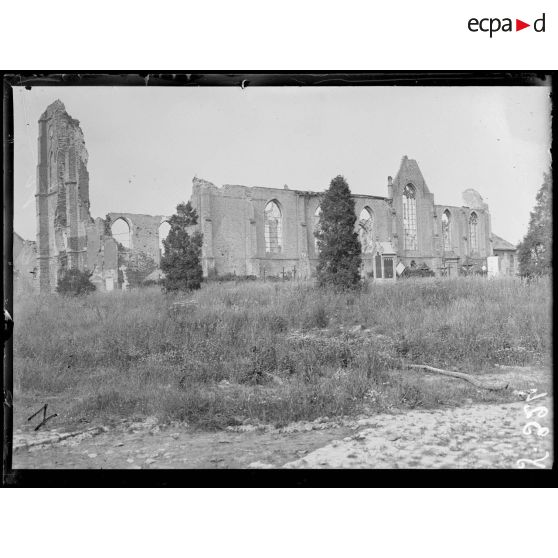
{"x":535,"y":251}
{"x":181,"y":261}
{"x":338,"y":244}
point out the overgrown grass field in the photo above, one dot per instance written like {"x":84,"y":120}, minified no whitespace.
{"x":274,"y":352}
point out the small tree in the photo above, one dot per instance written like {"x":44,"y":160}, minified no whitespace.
{"x":338,"y":244}
{"x":535,"y":251}
{"x":75,"y":282}
{"x":181,"y":261}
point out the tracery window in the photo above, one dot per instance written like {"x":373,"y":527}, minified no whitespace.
{"x":446,"y":217}
{"x":273,"y":228}
{"x":473,"y":236}
{"x":365,"y":231}
{"x":410,"y":217}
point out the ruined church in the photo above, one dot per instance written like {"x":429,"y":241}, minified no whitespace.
{"x":253,"y":231}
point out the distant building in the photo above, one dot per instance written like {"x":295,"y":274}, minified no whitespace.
{"x":507,"y":255}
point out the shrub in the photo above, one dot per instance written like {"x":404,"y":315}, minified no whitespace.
{"x":315,"y":316}
{"x":75,"y":282}
{"x":421,"y":271}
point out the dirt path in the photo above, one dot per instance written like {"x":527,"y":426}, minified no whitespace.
{"x":473,"y":436}
{"x":175,"y":447}
{"x":479,"y":436}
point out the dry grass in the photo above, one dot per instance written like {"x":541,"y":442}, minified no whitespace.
{"x":275,"y":352}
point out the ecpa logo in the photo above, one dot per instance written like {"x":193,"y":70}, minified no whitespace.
{"x":494,"y":24}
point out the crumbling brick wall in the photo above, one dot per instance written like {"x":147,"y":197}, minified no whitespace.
{"x":231,"y":219}
{"x":67,"y":235}
{"x":144,"y":232}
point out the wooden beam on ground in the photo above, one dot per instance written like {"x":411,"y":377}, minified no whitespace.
{"x":461,"y":375}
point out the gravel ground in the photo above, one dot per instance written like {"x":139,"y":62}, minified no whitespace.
{"x":472,"y":436}
{"x":480,"y":436}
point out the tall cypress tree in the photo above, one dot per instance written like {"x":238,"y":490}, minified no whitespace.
{"x":181,"y":261}
{"x":338,"y":244}
{"x":535,"y":251}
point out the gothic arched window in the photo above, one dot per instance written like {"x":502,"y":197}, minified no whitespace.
{"x":120,"y":231}
{"x":446,"y":218}
{"x":410,"y":217}
{"x":473,"y":236}
{"x":365,"y":230}
{"x":273,"y":228}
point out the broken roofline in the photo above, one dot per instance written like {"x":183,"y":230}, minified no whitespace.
{"x":225,"y":187}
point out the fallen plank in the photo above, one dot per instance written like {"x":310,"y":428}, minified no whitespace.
{"x":461,"y":375}
{"x":94,"y":430}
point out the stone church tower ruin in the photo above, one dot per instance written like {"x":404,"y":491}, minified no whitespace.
{"x":62,"y":195}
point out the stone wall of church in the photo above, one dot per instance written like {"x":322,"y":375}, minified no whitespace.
{"x":144,"y":232}
{"x":233,"y":225}
{"x":231,"y":219}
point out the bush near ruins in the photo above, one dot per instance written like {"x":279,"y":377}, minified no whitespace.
{"x":535,"y":251}
{"x":421,"y":271}
{"x":181,"y":261}
{"x":338,"y":244}
{"x":75,"y":282}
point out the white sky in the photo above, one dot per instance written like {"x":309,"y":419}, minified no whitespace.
{"x":146,"y":144}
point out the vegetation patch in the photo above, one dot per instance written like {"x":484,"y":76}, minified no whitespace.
{"x":277,"y":353}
